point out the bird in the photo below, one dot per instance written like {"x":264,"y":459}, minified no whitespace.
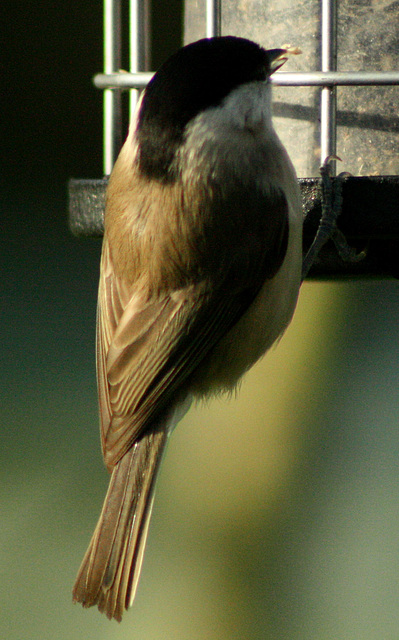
{"x":200,"y":274}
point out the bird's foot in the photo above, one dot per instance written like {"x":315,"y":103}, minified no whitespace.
{"x":330,"y":210}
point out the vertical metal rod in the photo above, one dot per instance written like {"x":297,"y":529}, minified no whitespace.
{"x":112,"y":98}
{"x":139,"y":40}
{"x":213,"y":23}
{"x":328,"y":103}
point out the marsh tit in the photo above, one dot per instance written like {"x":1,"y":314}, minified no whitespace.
{"x":200,"y":273}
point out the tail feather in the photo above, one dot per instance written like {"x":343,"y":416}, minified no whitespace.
{"x":110,"y":570}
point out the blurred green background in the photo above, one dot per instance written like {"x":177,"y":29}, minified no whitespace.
{"x":277,"y":513}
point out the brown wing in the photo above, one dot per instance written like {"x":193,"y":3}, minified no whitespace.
{"x":147,"y":346}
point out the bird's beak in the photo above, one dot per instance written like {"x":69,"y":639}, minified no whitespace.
{"x":277,"y":57}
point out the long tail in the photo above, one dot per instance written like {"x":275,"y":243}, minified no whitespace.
{"x":110,"y":570}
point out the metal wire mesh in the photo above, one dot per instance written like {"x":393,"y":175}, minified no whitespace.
{"x":328,"y":78}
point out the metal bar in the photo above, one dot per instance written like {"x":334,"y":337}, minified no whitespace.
{"x":336,"y":78}
{"x":139,"y":36}
{"x":122,"y":80}
{"x":212,"y":18}
{"x":282,"y":79}
{"x":369,"y":218}
{"x":112,"y":99}
{"x":328,"y":99}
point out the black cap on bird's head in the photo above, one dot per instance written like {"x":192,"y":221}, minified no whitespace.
{"x":198,"y":76}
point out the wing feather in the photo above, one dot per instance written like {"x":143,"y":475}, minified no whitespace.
{"x":147,"y":373}
{"x":149,"y":344}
